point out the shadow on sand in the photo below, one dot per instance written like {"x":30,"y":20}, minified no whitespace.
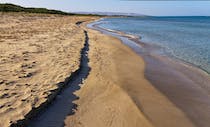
{"x":63,"y":105}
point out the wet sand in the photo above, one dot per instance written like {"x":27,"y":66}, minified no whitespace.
{"x":186,"y":86}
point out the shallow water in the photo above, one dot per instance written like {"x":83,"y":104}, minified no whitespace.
{"x":186,"y":38}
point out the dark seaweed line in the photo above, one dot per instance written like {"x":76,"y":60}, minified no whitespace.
{"x":61,"y":87}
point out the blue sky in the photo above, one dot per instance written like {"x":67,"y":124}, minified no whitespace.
{"x":157,"y":8}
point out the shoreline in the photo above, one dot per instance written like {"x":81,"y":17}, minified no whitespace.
{"x":137,"y":39}
{"x":117,"y":96}
{"x":149,"y":48}
{"x":190,"y":93}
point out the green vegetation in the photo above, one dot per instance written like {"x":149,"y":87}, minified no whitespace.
{"x":16,"y":8}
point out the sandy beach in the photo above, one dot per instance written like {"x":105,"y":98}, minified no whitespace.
{"x":119,"y":96}
{"x":184,"y":85}
{"x":117,"y":85}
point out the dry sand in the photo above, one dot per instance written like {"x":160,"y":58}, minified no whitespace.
{"x":37,"y":52}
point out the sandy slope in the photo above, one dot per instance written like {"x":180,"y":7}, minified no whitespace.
{"x":116,"y":93}
{"x":37,"y":52}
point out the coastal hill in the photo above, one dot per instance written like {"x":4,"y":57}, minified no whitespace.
{"x":7,"y":7}
{"x":17,"y":8}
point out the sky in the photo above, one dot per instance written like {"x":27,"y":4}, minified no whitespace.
{"x":153,"y":8}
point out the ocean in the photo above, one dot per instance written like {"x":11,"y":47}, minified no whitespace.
{"x":185,"y":38}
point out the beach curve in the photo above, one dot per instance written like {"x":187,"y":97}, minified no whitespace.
{"x":121,"y":68}
{"x":182,"y":83}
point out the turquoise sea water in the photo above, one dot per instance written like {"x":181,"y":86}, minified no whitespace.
{"x":187,"y":38}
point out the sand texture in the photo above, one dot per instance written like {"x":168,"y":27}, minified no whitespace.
{"x":37,"y":53}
